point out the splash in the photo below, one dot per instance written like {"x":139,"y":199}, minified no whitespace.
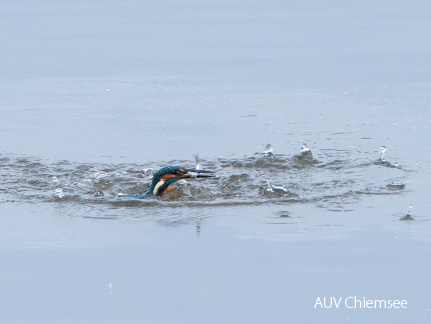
{"x":276,"y":189}
{"x":408,"y":216}
{"x":198,"y":162}
{"x":59,"y":193}
{"x":269,"y":151}
{"x":382,"y":153}
{"x":328,"y":183}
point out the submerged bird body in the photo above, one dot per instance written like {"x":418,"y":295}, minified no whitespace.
{"x":164,"y":179}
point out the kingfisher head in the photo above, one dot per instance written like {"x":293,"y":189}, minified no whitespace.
{"x":165,"y":177}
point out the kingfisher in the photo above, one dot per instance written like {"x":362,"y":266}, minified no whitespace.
{"x":164,"y":179}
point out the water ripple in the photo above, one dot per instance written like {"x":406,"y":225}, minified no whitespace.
{"x":327,"y":182}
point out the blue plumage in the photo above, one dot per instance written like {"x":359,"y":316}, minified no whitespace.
{"x":166,"y":176}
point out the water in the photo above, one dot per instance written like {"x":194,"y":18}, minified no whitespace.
{"x":289,"y":103}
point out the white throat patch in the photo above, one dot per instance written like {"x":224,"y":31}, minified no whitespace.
{"x":156,"y":188}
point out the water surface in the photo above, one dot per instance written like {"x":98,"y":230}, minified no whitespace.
{"x":95,"y":97}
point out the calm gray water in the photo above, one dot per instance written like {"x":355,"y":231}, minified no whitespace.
{"x":95,"y":97}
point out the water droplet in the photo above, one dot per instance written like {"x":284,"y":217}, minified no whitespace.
{"x":268,"y":149}
{"x":269,"y":189}
{"x":182,"y":182}
{"x":59,"y":193}
{"x":148,"y":171}
{"x":276,"y":189}
{"x":408,"y":217}
{"x":100,"y":174}
{"x":382,"y":154}
{"x":198,"y":163}
{"x":396,"y":185}
{"x":305,"y":149}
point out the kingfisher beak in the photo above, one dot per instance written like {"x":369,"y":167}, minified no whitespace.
{"x":193,"y":173}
